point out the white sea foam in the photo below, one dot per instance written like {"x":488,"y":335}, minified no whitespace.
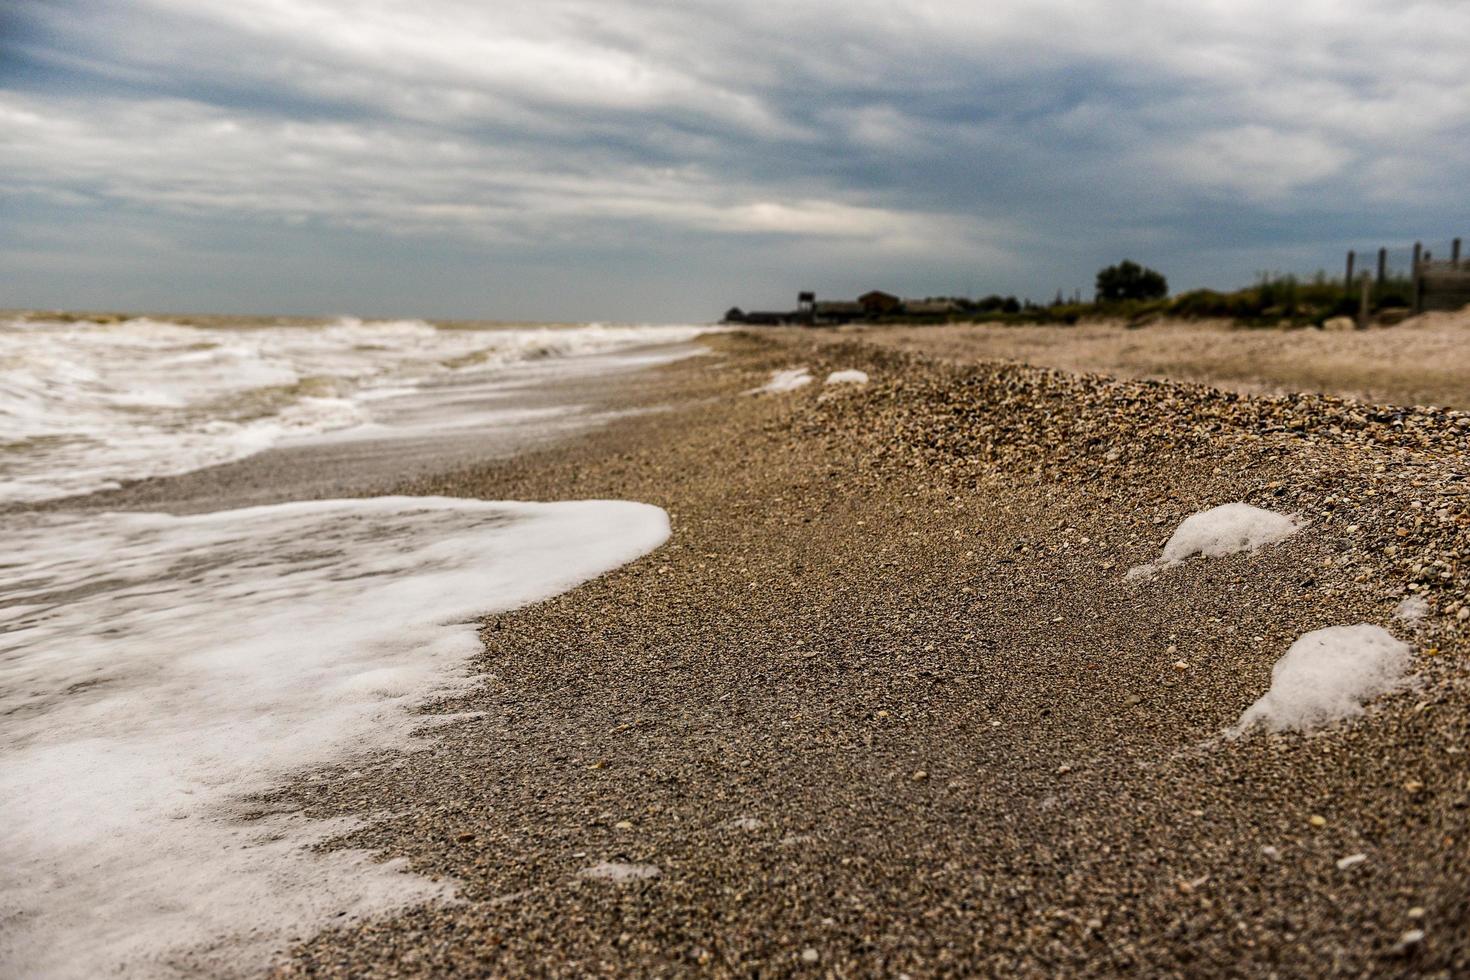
{"x":1411,"y":609}
{"x":1326,"y":676}
{"x":156,"y":671}
{"x":620,"y":871}
{"x":787,"y":380}
{"x":1224,"y":530}
{"x":85,"y":405}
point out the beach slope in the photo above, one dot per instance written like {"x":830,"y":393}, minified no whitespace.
{"x":889,"y":702}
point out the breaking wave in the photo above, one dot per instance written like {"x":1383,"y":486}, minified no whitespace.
{"x":84,"y":406}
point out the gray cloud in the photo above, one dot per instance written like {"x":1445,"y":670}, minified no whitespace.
{"x":741,"y":150}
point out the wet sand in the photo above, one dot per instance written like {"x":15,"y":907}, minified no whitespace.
{"x":885,"y":703}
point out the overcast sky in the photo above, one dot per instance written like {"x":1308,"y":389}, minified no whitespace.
{"x":569,"y":159}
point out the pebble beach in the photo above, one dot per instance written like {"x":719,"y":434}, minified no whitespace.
{"x":888,"y":703}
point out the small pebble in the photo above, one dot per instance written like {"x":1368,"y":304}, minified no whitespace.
{"x":810,"y":955}
{"x":1317,"y":820}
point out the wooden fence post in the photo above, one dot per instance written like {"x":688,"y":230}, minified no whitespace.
{"x":1455,"y":253}
{"x":1382,"y":265}
{"x":1418,"y":301}
{"x":1365,"y":300}
{"x":1347,"y":279}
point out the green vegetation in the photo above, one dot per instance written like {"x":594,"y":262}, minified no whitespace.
{"x":1128,"y":280}
{"x":1139,"y":295}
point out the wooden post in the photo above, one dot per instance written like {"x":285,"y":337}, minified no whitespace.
{"x":1418,"y":302}
{"x":1382,"y":265}
{"x":1455,"y":253}
{"x":1347,"y":280}
{"x":1365,"y":301}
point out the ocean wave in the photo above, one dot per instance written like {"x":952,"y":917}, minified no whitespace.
{"x":85,"y":404}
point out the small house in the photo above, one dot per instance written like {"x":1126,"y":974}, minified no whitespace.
{"x":835,"y":311}
{"x":878,"y":303}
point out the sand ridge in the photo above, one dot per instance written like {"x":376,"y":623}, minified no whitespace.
{"x":1423,"y":360}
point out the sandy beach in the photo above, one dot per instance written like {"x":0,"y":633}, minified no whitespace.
{"x":716,"y":489}
{"x":887,"y":702}
{"x":1422,"y":361}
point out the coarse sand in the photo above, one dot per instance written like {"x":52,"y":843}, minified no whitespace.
{"x":886,"y":703}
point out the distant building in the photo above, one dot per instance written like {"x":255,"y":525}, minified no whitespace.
{"x":879,"y":303}
{"x":930,"y":307}
{"x":837,"y":312}
{"x":811,"y":312}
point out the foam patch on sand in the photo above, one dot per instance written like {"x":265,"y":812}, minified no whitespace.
{"x":1411,"y":609}
{"x":156,"y":671}
{"x":1325,"y":677}
{"x":620,"y":872}
{"x":782,"y":381}
{"x":852,"y":376}
{"x":1224,"y":530}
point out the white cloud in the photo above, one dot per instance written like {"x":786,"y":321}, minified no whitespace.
{"x":1260,"y":163}
{"x":191,"y":158}
{"x":929,"y":128}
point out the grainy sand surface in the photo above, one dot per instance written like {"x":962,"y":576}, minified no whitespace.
{"x":1424,"y":361}
{"x":885,"y":703}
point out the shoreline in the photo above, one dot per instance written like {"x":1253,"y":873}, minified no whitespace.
{"x":885,"y":702}
{"x":330,"y":466}
{"x":177,"y":646}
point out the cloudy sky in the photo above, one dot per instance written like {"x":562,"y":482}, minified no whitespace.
{"x":660,"y":160}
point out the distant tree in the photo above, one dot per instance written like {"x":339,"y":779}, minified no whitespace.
{"x":1129,"y":280}
{"x":1011,"y":305}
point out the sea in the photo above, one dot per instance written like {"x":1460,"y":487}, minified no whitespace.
{"x":163,"y":664}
